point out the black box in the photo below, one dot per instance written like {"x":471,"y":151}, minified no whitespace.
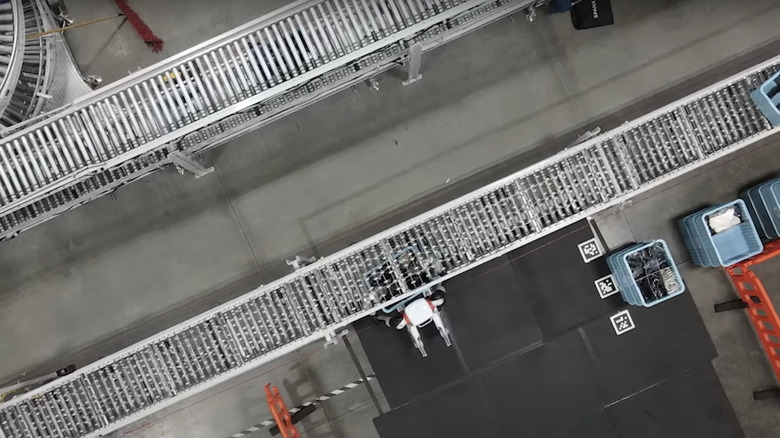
{"x":586,"y":14}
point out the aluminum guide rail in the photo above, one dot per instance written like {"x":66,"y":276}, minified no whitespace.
{"x":217,"y":90}
{"x":317,"y":299}
{"x":12,"y":32}
{"x":25,"y":63}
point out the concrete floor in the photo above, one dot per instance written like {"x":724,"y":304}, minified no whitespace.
{"x":169,"y":247}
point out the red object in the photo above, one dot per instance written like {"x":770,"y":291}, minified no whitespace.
{"x":151,"y":40}
{"x":760,"y":309}
{"x":280,"y":413}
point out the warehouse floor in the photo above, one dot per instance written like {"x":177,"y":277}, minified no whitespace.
{"x":169,"y":247}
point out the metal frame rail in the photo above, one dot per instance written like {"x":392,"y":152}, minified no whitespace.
{"x":31,"y":93}
{"x":216,"y":91}
{"x":317,"y":299}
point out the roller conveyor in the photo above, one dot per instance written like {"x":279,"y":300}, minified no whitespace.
{"x":216,"y":91}
{"x":320,"y":298}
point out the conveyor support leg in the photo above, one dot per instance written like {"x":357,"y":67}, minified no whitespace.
{"x":735,"y":304}
{"x":530,"y":14}
{"x":767,"y":394}
{"x":413,"y":63}
{"x":186,"y":163}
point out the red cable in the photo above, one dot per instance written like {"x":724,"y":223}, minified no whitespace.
{"x":151,"y":40}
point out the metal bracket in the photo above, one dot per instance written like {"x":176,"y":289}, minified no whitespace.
{"x":60,"y":12}
{"x":93,"y":81}
{"x":373,"y":84}
{"x":586,"y":136}
{"x":186,"y":163}
{"x":530,"y":13}
{"x":332,"y":338}
{"x":64,"y":19}
{"x":413,"y":64}
{"x":299,"y":262}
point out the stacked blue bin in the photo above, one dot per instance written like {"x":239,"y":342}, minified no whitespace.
{"x":767,"y":99}
{"x":725,"y":248}
{"x":763,"y":202}
{"x":629,"y":289}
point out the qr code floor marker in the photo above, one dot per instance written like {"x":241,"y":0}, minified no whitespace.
{"x":606,"y":286}
{"x":622,"y":322}
{"x":590,"y":250}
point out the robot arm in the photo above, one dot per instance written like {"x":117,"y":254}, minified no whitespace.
{"x":393,"y":320}
{"x":438,"y":320}
{"x":414,"y":332}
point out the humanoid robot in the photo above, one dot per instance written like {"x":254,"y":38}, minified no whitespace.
{"x":417,"y":310}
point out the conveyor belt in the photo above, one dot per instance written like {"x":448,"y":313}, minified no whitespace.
{"x":220,"y":89}
{"x":305,"y":306}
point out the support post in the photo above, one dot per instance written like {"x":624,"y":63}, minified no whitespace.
{"x":767,"y":394}
{"x":735,"y":304}
{"x":413,"y":63}
{"x":363,"y":376}
{"x":186,"y":163}
{"x":530,"y":14}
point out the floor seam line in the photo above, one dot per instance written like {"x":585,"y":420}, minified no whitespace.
{"x":560,"y":69}
{"x":240,"y":224}
{"x":628,"y":223}
{"x":311,"y":382}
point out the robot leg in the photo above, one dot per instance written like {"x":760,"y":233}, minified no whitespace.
{"x":417,"y":339}
{"x":438,"y":320}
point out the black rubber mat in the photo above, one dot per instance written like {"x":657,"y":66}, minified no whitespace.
{"x":584,"y":380}
{"x":490,"y":314}
{"x":669,"y":339}
{"x":690,"y":405}
{"x":457,"y":411}
{"x":400,"y":369}
{"x":600,"y":425}
{"x":561,"y":284}
{"x":545,"y":388}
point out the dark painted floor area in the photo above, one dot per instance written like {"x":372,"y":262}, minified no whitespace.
{"x":536,"y":355}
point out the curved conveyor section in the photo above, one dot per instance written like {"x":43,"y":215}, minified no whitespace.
{"x":12,"y":53}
